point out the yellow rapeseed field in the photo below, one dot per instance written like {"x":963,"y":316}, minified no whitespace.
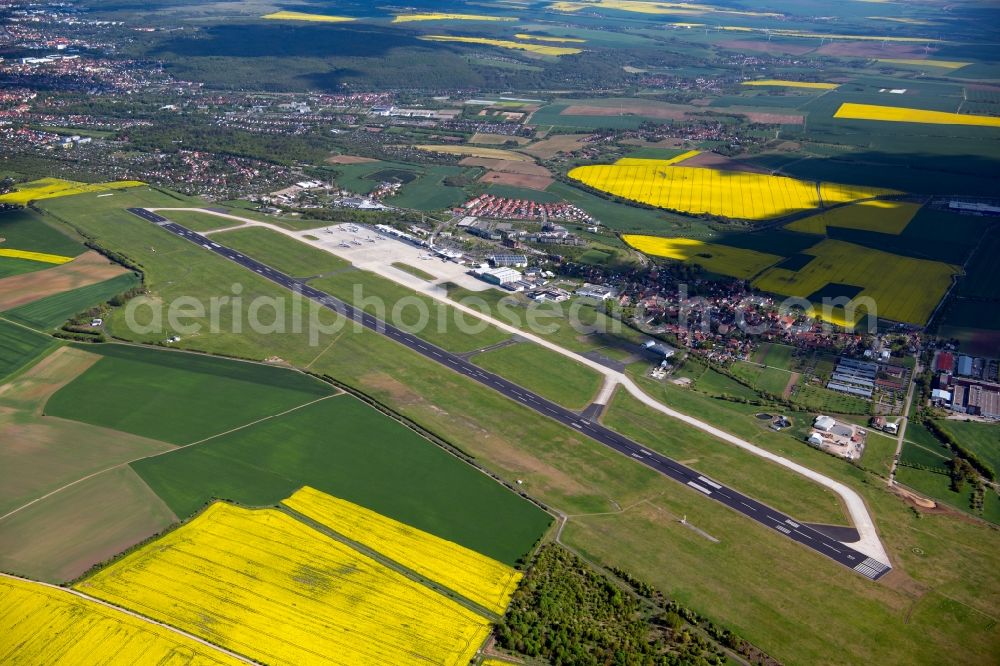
{"x":836,"y":193}
{"x":40,"y":624}
{"x":639,"y":161}
{"x":898,"y":114}
{"x":722,"y":259}
{"x":733,"y":194}
{"x":900,"y":19}
{"x":654,"y":7}
{"x":546,"y":38}
{"x":903,"y":288}
{"x":541,"y":49}
{"x":267,"y":586}
{"x":943,"y":64}
{"x":305,"y":16}
{"x":491,"y":153}
{"x":780,"y":83}
{"x":885,"y":217}
{"x":42,"y":257}
{"x":476,"y":577}
{"x":50,"y":188}
{"x":438,"y":16}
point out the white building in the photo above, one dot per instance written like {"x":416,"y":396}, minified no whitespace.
{"x":824,"y":423}
{"x":597,"y":291}
{"x":500,"y":276}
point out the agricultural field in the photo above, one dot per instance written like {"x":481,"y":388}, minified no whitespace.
{"x":41,"y":624}
{"x":476,"y":577}
{"x":692,"y":190}
{"x":488,"y":153}
{"x":902,"y":288}
{"x":285,"y":15}
{"x":541,"y":49}
{"x":28,"y":244}
{"x":897,"y":114}
{"x":885,"y":217}
{"x":52,"y":311}
{"x":280,"y":592}
{"x":51,"y":188}
{"x":715,"y":258}
{"x":443,"y":16}
{"x":59,"y":538}
{"x":19,"y":346}
{"x":551,"y":375}
{"x":48,"y":281}
{"x":983,"y":439}
{"x":635,"y":160}
{"x":179,"y":398}
{"x":343,"y":447}
{"x":777,"y":83}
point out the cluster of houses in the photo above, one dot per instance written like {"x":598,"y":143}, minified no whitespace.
{"x":501,"y":208}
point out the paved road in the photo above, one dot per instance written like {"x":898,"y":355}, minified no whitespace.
{"x":765,"y":515}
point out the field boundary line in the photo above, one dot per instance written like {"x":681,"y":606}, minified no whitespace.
{"x":160,"y":453}
{"x":133,"y":614}
{"x":390,"y":563}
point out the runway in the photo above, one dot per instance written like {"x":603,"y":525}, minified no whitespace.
{"x":765,"y":515}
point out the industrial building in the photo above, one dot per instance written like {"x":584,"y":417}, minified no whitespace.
{"x":854,"y":377}
{"x":500,"y":260}
{"x":977,"y":398}
{"x":597,"y":291}
{"x":499,"y":276}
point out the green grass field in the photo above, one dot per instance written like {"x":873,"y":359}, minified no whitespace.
{"x":414,"y":271}
{"x":287,"y":255}
{"x":771,"y":484}
{"x":53,"y":311}
{"x":983,"y":439}
{"x":717,"y":384}
{"x":178,"y":398}
{"x":200,"y":221}
{"x":551,"y":375}
{"x":776,"y":356}
{"x":20,"y":346}
{"x":938,"y":487}
{"x":934,"y":456}
{"x":348,"y":449}
{"x":769,"y":380}
{"x":405,"y":308}
{"x":818,"y":399}
{"x":23,"y":229}
{"x":10,"y":266}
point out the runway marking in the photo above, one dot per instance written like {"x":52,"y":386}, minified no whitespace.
{"x":782,"y":529}
{"x":711,"y":483}
{"x":805,"y":535}
{"x":831,"y":548}
{"x":872,"y":568}
{"x":748,"y":506}
{"x":701,"y":488}
{"x":792,"y":522}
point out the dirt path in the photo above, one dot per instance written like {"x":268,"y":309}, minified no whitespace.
{"x":790,"y":386}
